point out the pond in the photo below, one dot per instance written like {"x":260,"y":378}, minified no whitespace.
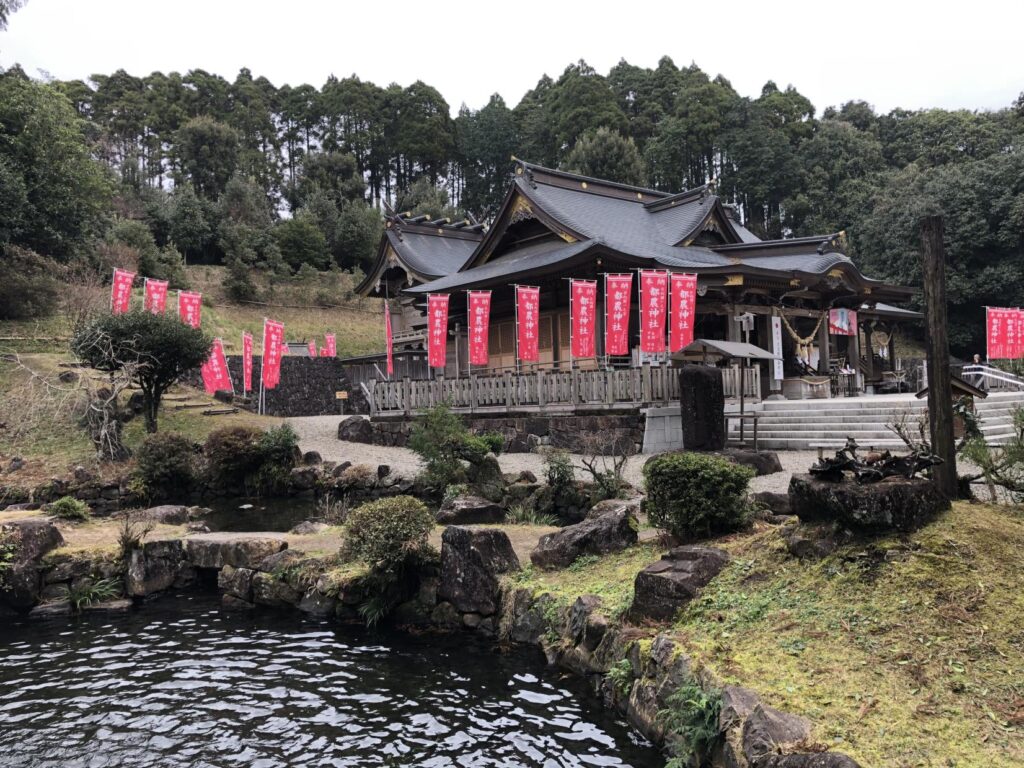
{"x":258,"y":514}
{"x":182,"y":683}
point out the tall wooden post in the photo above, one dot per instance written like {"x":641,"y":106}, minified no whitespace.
{"x":824,"y":353}
{"x":940,"y":386}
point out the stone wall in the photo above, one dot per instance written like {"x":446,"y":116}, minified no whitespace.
{"x":307,"y":388}
{"x":523,"y":432}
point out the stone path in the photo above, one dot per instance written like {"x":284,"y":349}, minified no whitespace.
{"x":320,"y":433}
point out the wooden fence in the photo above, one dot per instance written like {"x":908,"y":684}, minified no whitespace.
{"x":542,"y":389}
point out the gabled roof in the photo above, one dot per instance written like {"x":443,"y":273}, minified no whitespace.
{"x":425,"y":249}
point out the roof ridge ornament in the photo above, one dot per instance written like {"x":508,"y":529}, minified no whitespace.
{"x":834,"y":242}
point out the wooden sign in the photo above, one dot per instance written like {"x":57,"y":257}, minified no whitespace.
{"x":341,"y":395}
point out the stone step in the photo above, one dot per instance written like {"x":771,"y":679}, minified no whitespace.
{"x":826,"y":421}
{"x":835,"y":404}
{"x":777,"y":444}
{"x":859,"y":436}
{"x":823,"y":413}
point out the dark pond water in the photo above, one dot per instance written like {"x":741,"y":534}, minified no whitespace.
{"x":259,"y":514}
{"x":180,"y":683}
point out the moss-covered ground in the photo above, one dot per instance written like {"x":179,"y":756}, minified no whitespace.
{"x":903,"y":652}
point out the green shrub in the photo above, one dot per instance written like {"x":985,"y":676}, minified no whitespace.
{"x":525,"y":513}
{"x":691,"y":713}
{"x":696,"y":494}
{"x":443,"y":441}
{"x":30,"y":287}
{"x":620,"y":675}
{"x":166,"y":465}
{"x":70,"y":508}
{"x":385,"y":533}
{"x":232,"y":454}
{"x":85,"y":594}
{"x":452,"y":492}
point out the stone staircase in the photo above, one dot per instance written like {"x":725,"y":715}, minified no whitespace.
{"x":995,"y":414}
{"x":801,"y":425}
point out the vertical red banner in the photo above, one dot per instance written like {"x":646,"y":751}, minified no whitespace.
{"x":683,"y":312}
{"x":155,"y":296}
{"x":998,"y":322}
{"x":121,"y":291}
{"x":311,"y":346}
{"x":246,"y":362}
{"x":215,"y":370}
{"x":617,"y":292}
{"x":190,"y":307}
{"x":479,"y":327}
{"x":583,"y":306}
{"x":273,"y":343}
{"x":330,"y":346}
{"x":528,"y":322}
{"x":653,"y":310}
{"x":437,"y":327}
{"x":389,"y":339}
{"x":1020,"y":334}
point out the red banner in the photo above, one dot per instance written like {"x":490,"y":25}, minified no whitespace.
{"x":528,"y":322}
{"x":479,"y":327}
{"x":215,"y":370}
{"x":155,"y":296}
{"x":437,"y":325}
{"x":1005,"y":333}
{"x":273,"y":343}
{"x":842,"y":322}
{"x":246,"y":362}
{"x":389,"y":339}
{"x":330,"y":348}
{"x":684,"y":310}
{"x":583,"y":308}
{"x":617,"y":292}
{"x":121,"y":291}
{"x":190,"y":307}
{"x":311,"y":346}
{"x":653,"y":310}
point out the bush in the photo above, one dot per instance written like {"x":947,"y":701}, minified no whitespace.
{"x":444,"y":442}
{"x":30,"y":287}
{"x":694,"y":494}
{"x":250,"y":459}
{"x":70,"y":508}
{"x":385,"y":533}
{"x":166,"y":464}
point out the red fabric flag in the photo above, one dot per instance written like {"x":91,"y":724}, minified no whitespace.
{"x":273,"y":343}
{"x":190,"y":307}
{"x":312,"y":348}
{"x":1020,"y":334}
{"x":331,"y":347}
{"x":617,"y":289}
{"x":583,"y":307}
{"x":437,"y":314}
{"x":653,"y":310}
{"x":246,"y":362}
{"x":215,"y":370}
{"x":121,"y":291}
{"x":155,"y":296}
{"x":528,"y":322}
{"x":842,"y":322}
{"x":684,"y":310}
{"x":389,"y":339}
{"x":479,"y":327}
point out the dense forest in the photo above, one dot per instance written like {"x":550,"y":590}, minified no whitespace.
{"x":199,"y":168}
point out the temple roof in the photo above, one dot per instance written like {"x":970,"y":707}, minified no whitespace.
{"x":425,"y":249}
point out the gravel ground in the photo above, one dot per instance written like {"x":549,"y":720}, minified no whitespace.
{"x":320,"y":433}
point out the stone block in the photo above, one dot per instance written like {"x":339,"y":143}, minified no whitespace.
{"x":472,"y":561}
{"x":664,"y":587}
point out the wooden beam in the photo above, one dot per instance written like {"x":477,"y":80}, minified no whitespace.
{"x":940,"y":386}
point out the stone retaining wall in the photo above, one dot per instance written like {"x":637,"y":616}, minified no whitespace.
{"x":524,"y":432}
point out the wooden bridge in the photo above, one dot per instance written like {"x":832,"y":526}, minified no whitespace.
{"x":546,"y":390}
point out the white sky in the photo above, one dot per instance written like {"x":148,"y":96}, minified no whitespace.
{"x":892,"y":53}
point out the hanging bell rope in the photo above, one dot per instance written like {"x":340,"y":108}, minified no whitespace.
{"x":803,"y":344}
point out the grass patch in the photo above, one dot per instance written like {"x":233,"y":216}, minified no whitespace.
{"x":911,"y":659}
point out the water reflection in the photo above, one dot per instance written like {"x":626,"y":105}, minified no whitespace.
{"x":182,"y":684}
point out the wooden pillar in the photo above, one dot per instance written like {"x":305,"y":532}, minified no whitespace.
{"x":853,"y":355}
{"x":892,"y":347}
{"x":940,"y":387}
{"x":869,"y":360}
{"x":823,"y":349}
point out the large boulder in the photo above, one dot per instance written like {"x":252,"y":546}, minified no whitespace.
{"x":664,"y":587}
{"x":355,"y":429}
{"x":242,"y":550}
{"x":762,"y":462}
{"x":472,"y":560}
{"x":470,"y":510}
{"x":31,"y":539}
{"x":155,"y":566}
{"x":168,"y":514}
{"x":486,"y":478}
{"x":611,"y":532}
{"x":268,"y":589}
{"x":702,"y":408}
{"x":895,"y":503}
{"x":768,"y":731}
{"x":236,"y":582}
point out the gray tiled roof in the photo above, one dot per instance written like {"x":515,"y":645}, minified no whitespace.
{"x":431,"y":255}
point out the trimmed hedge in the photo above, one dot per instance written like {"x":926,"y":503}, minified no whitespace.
{"x":384,"y":533}
{"x":696,"y":494}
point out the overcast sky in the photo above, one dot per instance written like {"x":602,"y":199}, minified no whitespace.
{"x":892,"y":53}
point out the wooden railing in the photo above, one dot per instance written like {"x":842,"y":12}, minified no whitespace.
{"x":540,"y":389}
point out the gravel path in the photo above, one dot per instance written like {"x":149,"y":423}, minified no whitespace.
{"x":320,"y":433}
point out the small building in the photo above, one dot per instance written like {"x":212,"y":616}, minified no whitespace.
{"x":554,"y":225}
